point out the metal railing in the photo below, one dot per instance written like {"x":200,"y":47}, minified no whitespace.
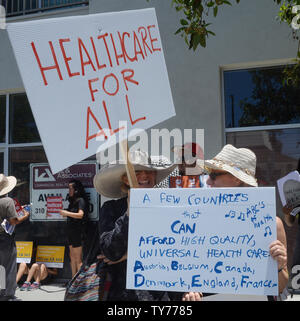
{"x":23,"y":7}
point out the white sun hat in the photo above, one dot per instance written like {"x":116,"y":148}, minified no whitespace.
{"x":108,"y":181}
{"x":7,"y":184}
{"x":240,"y":162}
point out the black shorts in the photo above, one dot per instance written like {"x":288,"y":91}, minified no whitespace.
{"x":74,"y":235}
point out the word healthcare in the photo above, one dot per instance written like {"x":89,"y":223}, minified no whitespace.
{"x":95,"y":54}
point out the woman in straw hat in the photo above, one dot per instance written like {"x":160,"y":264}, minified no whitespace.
{"x":235,"y":167}
{"x":112,"y":182}
{"x":8,"y":252}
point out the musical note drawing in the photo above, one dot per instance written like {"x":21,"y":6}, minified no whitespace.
{"x":267,"y":231}
{"x":231,"y":214}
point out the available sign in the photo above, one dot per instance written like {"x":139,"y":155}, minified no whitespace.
{"x":49,"y":192}
{"x":51,"y":256}
{"x":24,"y":252}
{"x":212,"y":240}
{"x":84,"y":75}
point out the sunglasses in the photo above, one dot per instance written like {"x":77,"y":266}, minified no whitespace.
{"x":214,"y":175}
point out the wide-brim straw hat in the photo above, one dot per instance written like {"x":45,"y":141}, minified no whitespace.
{"x":240,"y":162}
{"x":7,"y":184}
{"x":108,"y":181}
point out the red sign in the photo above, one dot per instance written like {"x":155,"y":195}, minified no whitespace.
{"x":18,"y":207}
{"x":54,"y":205}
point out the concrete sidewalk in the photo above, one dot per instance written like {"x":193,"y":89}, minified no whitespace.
{"x":49,"y":292}
{"x":56,"y":292}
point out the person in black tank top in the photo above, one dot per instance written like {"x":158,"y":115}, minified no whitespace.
{"x":76,"y":215}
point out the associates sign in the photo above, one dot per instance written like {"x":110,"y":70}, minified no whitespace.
{"x":49,"y":192}
{"x":92,"y":79}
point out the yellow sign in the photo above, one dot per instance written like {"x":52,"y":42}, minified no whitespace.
{"x":24,"y":251}
{"x":51,"y":256}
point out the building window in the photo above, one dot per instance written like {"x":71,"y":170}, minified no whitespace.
{"x":22,"y":128}
{"x":20,"y":143}
{"x":258,"y":97}
{"x":20,"y":159}
{"x":263,"y":114}
{"x":22,"y":7}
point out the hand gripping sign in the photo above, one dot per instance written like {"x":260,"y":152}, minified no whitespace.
{"x":85,"y":74}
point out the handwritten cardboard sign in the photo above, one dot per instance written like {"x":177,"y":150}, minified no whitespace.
{"x":209,"y":240}
{"x":84,"y":74}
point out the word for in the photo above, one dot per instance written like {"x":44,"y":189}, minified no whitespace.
{"x":140,"y":42}
{"x":107,"y":131}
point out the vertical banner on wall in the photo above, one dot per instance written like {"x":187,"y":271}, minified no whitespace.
{"x":49,"y":192}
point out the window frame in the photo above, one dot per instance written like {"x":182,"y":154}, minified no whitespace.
{"x":250,"y":65}
{"x":4,"y":147}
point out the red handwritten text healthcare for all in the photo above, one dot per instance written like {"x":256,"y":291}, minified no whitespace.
{"x":101,"y":53}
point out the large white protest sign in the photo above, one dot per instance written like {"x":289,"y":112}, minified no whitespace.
{"x":85,"y":74}
{"x":207,"y":240}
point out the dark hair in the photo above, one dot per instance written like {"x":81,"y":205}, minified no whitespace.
{"x":79,"y":192}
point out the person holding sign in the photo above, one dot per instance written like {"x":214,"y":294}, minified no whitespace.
{"x":112,"y":182}
{"x":76,"y":213}
{"x":290,"y":217}
{"x":235,"y":167}
{"x":8,"y":251}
